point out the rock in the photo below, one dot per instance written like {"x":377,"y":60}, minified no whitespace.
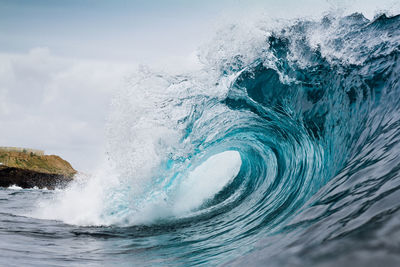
{"x":26,"y":169}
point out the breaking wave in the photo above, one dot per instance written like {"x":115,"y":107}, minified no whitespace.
{"x":286,"y":136}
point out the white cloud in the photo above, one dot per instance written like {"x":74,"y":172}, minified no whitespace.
{"x":57,"y":104}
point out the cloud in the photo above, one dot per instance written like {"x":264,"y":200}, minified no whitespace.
{"x":57,"y":104}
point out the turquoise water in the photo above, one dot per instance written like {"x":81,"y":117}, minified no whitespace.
{"x":282,"y":151}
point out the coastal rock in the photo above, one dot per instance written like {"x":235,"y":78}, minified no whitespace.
{"x":28,"y":168}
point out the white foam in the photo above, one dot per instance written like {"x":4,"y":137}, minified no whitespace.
{"x":81,"y":203}
{"x":14,"y":187}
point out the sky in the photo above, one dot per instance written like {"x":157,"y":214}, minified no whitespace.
{"x":61,"y":62}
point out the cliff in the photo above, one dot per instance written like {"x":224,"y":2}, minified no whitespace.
{"x":28,"y":169}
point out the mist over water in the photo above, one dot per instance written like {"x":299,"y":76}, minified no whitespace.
{"x":281,"y":150}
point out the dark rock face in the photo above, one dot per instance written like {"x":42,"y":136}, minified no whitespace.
{"x":28,"y":179}
{"x":28,"y":168}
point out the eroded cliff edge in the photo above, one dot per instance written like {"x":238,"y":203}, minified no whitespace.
{"x":28,"y":168}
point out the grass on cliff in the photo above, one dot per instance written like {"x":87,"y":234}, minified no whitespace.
{"x":45,"y":164}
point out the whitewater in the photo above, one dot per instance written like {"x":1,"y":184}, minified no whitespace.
{"x":283,"y":150}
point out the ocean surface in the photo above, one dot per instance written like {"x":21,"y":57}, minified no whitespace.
{"x":284,"y":150}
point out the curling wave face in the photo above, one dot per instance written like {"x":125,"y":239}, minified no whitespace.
{"x":214,"y":163}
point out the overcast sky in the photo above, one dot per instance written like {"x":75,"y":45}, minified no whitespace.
{"x":62,"y":61}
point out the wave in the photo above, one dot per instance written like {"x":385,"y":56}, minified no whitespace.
{"x":282,"y":130}
{"x":14,"y":187}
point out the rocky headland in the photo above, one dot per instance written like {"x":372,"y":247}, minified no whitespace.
{"x":28,"y":168}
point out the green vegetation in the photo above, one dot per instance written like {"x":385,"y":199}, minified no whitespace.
{"x":49,"y":164}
